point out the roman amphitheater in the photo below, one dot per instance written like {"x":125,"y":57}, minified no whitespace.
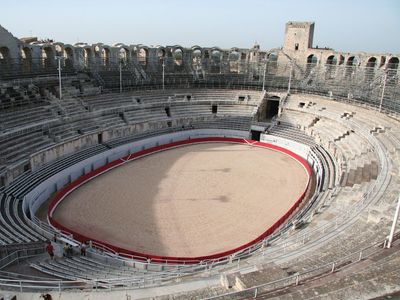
{"x":198,"y":173}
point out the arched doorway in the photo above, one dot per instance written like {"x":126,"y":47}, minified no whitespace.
{"x":47,"y":57}
{"x":233,"y":59}
{"x":272,"y":108}
{"x":272,"y":63}
{"x":330,"y":67}
{"x":26,"y":59}
{"x":178,"y":59}
{"x":370,"y":69}
{"x":216,"y":61}
{"x":392,"y":68}
{"x":87,"y":57}
{"x":351,"y":65}
{"x":105,"y":56}
{"x":69,"y":57}
{"x":142,"y":56}
{"x":5,"y":61}
{"x":311,"y":63}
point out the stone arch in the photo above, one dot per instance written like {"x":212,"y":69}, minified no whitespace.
{"x":331,"y":60}
{"x":142,"y":56}
{"x":105,"y":56}
{"x":160,"y":55}
{"x":272,"y":65}
{"x":97,"y":53}
{"x":312,"y":61}
{"x":196,"y":57}
{"x":26,"y":59}
{"x":216,"y":56}
{"x":177,"y":54}
{"x":330,"y":67}
{"x":5,"y":60}
{"x":4,"y":54}
{"x":59,"y":49}
{"x":68,"y":57}
{"x":392,"y":66}
{"x":87,"y":56}
{"x":351,"y":65}
{"x":47,"y":56}
{"x":123,"y":54}
{"x":370,"y":68}
{"x":371,"y":62}
{"x":393,"y":63}
{"x":234,"y":58}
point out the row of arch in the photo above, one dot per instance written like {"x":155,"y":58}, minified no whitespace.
{"x":99,"y":54}
{"x":372,"y":62}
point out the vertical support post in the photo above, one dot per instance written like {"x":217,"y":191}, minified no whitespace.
{"x":333,"y":268}
{"x":120,"y":76}
{"x":395,"y":219}
{"x":255,"y":293}
{"x":290,"y":77}
{"x":163,"y":74}
{"x":265,"y":72}
{"x":383,"y":91}
{"x":59,"y":76}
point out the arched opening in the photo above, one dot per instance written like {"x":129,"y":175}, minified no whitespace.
{"x":123,"y":54}
{"x":59,"y":50}
{"x":370,"y":68}
{"x":233,"y":59}
{"x":311,"y":63}
{"x":196,"y":58}
{"x":26,"y":59}
{"x":69,"y":57}
{"x":371,"y":63}
{"x":105,"y":56}
{"x":87,"y":56}
{"x":272,"y":63}
{"x":97,"y":54}
{"x":392,"y":66}
{"x":142,"y":56}
{"x":272,"y":107}
{"x":178,"y":57}
{"x":393,"y":63}
{"x":216,"y":61}
{"x":47,"y":57}
{"x":4,"y":54}
{"x":5,"y":61}
{"x":331,"y":62}
{"x":351,"y":65}
{"x":160,"y":54}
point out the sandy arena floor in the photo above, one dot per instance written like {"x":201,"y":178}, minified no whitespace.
{"x":190,"y":201}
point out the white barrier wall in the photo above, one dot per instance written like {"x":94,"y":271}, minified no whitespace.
{"x":35,"y":198}
{"x":300,"y":149}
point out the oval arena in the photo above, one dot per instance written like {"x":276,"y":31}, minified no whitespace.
{"x":198,"y":172}
{"x":201,"y":199}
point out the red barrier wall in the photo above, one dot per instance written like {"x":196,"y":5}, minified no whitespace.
{"x":128,"y":253}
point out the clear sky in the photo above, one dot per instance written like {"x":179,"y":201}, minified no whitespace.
{"x":344,"y":25}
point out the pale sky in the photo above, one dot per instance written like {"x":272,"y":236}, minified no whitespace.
{"x":344,"y":25}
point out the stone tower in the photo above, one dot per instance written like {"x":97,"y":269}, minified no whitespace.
{"x":298,"y":36}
